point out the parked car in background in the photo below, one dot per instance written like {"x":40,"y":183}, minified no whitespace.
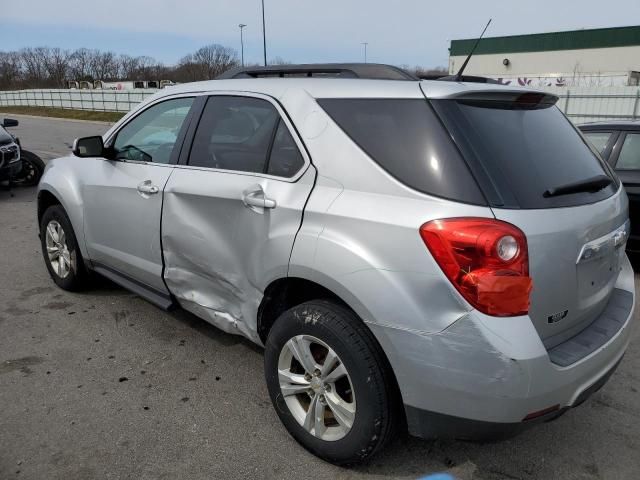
{"x":619,"y":144}
{"x":405,"y":250}
{"x":17,"y":166}
{"x":10,"y":164}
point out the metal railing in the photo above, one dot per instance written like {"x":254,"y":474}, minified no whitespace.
{"x":581,"y":105}
{"x":94,"y":100}
{"x":594,"y":104}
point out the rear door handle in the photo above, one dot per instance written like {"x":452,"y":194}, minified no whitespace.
{"x":148,"y":188}
{"x":256,"y":200}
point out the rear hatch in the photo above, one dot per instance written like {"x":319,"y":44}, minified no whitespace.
{"x":539,"y":174}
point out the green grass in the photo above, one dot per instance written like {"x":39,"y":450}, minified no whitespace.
{"x":64,"y":113}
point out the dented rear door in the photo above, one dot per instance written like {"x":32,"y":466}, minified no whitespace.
{"x":231,"y":215}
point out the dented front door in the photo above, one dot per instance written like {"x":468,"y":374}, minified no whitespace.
{"x":227,"y":234}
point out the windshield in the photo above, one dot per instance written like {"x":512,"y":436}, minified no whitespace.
{"x":519,"y":151}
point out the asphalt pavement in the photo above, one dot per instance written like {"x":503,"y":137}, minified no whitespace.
{"x":102,"y":384}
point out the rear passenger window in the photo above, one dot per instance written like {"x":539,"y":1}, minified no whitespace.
{"x":599,"y":140}
{"x":629,"y":158}
{"x":285,"y":159}
{"x":405,"y":138}
{"x":234,"y":133}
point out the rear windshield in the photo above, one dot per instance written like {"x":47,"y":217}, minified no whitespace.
{"x":405,"y":137}
{"x":519,"y":151}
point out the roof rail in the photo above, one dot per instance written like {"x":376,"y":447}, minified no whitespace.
{"x":374,"y":71}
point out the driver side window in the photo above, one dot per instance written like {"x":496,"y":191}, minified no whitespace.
{"x":151,"y":136}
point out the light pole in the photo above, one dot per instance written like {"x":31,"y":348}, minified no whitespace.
{"x":264,"y":37}
{"x":365,"y":51}
{"x":242,"y":25}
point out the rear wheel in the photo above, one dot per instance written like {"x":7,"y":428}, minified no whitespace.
{"x":60,"y":250}
{"x":330,"y":382}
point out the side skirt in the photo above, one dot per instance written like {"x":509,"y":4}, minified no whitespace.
{"x":150,"y":294}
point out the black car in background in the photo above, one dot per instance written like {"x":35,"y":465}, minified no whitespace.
{"x":619,"y":144}
{"x":17,"y":166}
{"x":10,"y":164}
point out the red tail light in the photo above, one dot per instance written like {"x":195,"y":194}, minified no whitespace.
{"x":485,"y":259}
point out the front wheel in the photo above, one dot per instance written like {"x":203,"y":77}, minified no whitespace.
{"x":330,"y":382}
{"x":32,"y":169}
{"x":60,"y":250}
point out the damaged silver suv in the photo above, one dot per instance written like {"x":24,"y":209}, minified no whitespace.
{"x":437,"y":255}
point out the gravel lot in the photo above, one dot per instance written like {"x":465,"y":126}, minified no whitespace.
{"x":104,"y":385}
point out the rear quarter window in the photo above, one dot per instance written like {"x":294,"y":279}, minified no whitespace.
{"x":406,"y":138}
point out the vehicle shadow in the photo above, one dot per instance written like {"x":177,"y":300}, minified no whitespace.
{"x":17,"y":193}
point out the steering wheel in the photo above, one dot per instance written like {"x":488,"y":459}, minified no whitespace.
{"x":143,"y":156}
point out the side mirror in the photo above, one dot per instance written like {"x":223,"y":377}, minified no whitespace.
{"x":9,"y":122}
{"x":88,"y":147}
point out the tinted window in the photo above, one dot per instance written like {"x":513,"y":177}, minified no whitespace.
{"x":150,"y":137}
{"x":598,"y":139}
{"x":523,"y":149}
{"x":285,"y":159}
{"x":234,"y":133}
{"x":629,"y":158}
{"x":406,"y":139}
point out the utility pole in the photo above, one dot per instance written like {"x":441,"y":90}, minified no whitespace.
{"x":264,"y":37}
{"x":242,"y":25}
{"x":365,"y":51}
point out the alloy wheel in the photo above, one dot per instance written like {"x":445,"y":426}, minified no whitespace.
{"x":316,"y":387}
{"x":58,"y":252}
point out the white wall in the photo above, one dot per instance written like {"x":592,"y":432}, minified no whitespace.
{"x":95,"y":100}
{"x":598,"y":60}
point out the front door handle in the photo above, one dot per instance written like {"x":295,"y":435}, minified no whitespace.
{"x":148,"y":188}
{"x":255,"y":199}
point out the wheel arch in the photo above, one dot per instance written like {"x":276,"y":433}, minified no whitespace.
{"x":46,"y":199}
{"x":287,"y":292}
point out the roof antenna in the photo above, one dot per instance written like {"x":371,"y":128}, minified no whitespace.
{"x":458,"y":76}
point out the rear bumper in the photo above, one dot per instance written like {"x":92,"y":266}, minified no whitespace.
{"x":426,"y":424}
{"x":485,"y":374}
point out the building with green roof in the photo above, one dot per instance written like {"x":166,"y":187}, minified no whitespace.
{"x":596,"y":57}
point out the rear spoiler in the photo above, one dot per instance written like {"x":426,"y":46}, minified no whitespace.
{"x":516,"y":97}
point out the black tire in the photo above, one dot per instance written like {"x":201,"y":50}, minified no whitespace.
{"x":377,"y":413}
{"x":76,"y":278}
{"x":32,"y":169}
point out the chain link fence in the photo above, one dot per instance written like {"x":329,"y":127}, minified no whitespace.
{"x":94,"y":100}
{"x":582,"y":105}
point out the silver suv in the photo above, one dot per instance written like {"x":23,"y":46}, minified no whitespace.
{"x":438,"y":255}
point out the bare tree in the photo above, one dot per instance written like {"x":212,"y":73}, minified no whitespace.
{"x":44,"y":67}
{"x":33,"y":61}
{"x":103,"y":65}
{"x":10,"y":69}
{"x":213,"y":60}
{"x":80,"y":64}
{"x":128,"y":66}
{"x":57,"y":66}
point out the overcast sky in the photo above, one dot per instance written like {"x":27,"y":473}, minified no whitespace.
{"x":412,"y":32}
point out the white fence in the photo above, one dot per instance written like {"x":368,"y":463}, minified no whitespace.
{"x":594,"y":104}
{"x":95,"y":100}
{"x":588,"y":104}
